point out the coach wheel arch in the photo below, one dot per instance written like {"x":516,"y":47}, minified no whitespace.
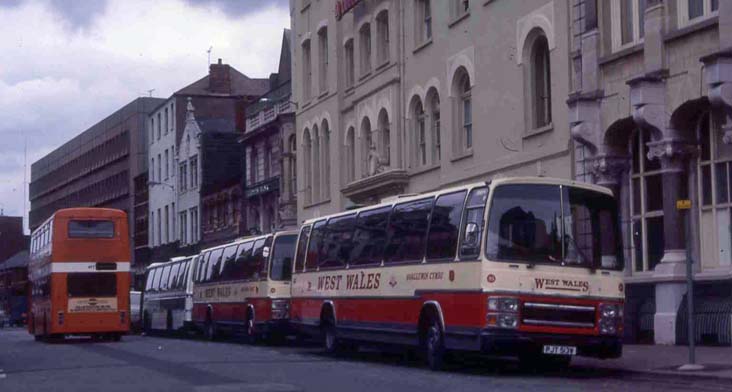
{"x":430,"y":310}
{"x":327,"y":313}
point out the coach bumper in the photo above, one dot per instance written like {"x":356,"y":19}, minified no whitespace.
{"x":501,"y":342}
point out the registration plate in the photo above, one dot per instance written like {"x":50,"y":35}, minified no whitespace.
{"x":560,"y":350}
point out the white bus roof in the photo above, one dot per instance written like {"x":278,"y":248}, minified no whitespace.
{"x":494,"y":182}
{"x":247,"y":239}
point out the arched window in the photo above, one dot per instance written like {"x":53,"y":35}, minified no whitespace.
{"x":462,"y":93}
{"x":350,"y":65}
{"x":307,"y":168}
{"x":382,"y":37}
{"x":365,"y":48}
{"x":326,"y":160}
{"x":384,"y":138}
{"x":307,"y":71}
{"x":541,"y":92}
{"x":420,"y":133}
{"x":350,"y":155}
{"x":323,"y":59}
{"x":366,"y":138}
{"x":433,"y":104}
{"x":315,"y":161}
{"x":293,"y":165}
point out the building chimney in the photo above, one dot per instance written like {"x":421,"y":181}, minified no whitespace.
{"x":219,"y":78}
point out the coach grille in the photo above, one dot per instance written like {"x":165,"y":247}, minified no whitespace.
{"x":558,"y":315}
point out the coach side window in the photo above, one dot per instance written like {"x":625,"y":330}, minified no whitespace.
{"x":175,"y":274}
{"x":337,"y":242}
{"x":408,"y":231}
{"x":213,"y":264}
{"x":445,"y":226}
{"x":315,"y":249}
{"x":164,"y":279}
{"x":253,"y":265}
{"x":228,"y":267}
{"x":473,"y":224}
{"x":201,"y":267}
{"x":156,"y":282}
{"x":243,"y":254}
{"x":173,"y":281}
{"x":150,"y":278}
{"x":302,"y":243}
{"x":266,"y":252}
{"x":369,"y":237}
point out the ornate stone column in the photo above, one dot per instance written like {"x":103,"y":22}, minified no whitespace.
{"x":648,"y":103}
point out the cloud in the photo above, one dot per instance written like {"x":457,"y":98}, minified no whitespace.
{"x":57,"y":81}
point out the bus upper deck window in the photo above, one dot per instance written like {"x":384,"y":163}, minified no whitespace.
{"x":91,"y":229}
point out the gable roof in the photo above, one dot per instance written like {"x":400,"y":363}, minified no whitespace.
{"x":240,"y":85}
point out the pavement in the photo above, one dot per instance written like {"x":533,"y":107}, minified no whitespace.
{"x":153,"y":363}
{"x":666,"y":360}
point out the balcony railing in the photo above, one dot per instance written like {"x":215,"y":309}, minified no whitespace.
{"x":269,"y":106}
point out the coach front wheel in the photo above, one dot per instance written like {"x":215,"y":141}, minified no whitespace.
{"x":434,"y":345}
{"x":209,"y":331}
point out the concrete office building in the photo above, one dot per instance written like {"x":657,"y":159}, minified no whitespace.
{"x":97,"y":168}
{"x":415,"y":95}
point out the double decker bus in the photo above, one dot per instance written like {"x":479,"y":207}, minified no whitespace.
{"x":526,"y":267}
{"x":80,"y":275}
{"x":244,"y":286}
{"x":167,"y":302}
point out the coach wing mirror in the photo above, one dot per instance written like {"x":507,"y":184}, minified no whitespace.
{"x":470,"y":239}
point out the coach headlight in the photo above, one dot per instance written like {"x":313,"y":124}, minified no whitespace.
{"x":280,"y":309}
{"x":503,"y":312}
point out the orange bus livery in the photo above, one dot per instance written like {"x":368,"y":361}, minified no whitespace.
{"x":79,"y":273}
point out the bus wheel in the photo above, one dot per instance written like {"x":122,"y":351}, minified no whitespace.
{"x":434,"y":344}
{"x":116,"y":337}
{"x":38,"y":338}
{"x":169,"y":322}
{"x":331,"y":345}
{"x":146,"y":323}
{"x":209,"y":331}
{"x":251,"y":333}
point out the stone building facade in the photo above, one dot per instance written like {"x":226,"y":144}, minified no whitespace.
{"x":414,"y":95}
{"x":211,"y":105}
{"x":650,"y":113}
{"x":270,"y":161}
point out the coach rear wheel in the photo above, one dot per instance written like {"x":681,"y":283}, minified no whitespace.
{"x":330,"y":340}
{"x":434,"y":345}
{"x":250,"y":330}
{"x":209,"y":331}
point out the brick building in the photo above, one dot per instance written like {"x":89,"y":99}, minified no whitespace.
{"x":212,"y":107}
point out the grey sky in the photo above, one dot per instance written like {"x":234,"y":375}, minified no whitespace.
{"x":68,"y":64}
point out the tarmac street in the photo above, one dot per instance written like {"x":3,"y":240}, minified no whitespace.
{"x":150,"y":363}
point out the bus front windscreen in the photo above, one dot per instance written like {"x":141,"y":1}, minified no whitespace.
{"x":552,"y":224}
{"x":282,"y":256}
